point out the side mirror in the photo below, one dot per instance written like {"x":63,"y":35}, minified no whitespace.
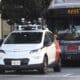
{"x":1,"y":41}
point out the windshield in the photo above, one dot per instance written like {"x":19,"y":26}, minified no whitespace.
{"x":66,"y":1}
{"x":24,"y":37}
{"x":72,"y":33}
{"x":69,"y":36}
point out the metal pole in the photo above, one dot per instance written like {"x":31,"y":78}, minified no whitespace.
{"x":0,"y":27}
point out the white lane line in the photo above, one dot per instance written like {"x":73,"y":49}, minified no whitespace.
{"x":59,"y":75}
{"x":66,"y":75}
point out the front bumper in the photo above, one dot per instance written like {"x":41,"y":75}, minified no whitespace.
{"x":21,"y":67}
{"x":15,"y":64}
{"x":70,"y":58}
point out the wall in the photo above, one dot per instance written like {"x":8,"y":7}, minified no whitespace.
{"x":5,"y":29}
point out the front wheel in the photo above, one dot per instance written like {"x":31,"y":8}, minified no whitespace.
{"x":2,"y":71}
{"x":43,"y":69}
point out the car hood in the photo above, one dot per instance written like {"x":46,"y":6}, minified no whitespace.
{"x":20,"y":47}
{"x":19,"y":51}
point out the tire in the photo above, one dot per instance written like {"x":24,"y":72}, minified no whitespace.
{"x":44,"y":66}
{"x":2,"y":71}
{"x":57,"y":67}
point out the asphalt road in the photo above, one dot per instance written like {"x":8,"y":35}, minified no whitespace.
{"x":66,"y":74}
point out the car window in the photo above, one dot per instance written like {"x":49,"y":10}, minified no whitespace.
{"x":51,"y":36}
{"x":72,"y":33}
{"x":66,"y":1}
{"x":48,"y":38}
{"x":24,"y":37}
{"x":69,"y":36}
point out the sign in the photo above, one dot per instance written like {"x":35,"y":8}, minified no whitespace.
{"x":73,"y":11}
{"x":15,"y":62}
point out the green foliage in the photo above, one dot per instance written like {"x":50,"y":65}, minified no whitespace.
{"x":16,"y":9}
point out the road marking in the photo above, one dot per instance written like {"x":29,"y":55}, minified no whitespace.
{"x":66,"y":75}
{"x":44,"y":76}
{"x":59,"y":75}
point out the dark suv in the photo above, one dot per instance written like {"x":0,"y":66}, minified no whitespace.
{"x":70,"y":45}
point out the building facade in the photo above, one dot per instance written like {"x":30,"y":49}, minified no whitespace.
{"x":5,"y":29}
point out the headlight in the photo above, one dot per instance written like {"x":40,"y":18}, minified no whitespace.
{"x":2,"y":51}
{"x":35,"y":51}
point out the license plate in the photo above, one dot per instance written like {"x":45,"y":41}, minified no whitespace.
{"x":15,"y":62}
{"x":72,"y":47}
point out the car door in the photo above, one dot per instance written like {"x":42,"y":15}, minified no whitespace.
{"x":50,"y":47}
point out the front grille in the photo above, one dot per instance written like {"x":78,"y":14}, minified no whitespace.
{"x":7,"y":61}
{"x":23,"y":61}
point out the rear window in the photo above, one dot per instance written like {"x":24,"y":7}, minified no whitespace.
{"x":24,"y":37}
{"x":70,"y":33}
{"x":69,"y":36}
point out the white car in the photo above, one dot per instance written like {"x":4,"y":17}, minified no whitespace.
{"x":28,"y":50}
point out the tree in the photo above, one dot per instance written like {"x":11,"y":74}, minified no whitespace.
{"x":17,"y":9}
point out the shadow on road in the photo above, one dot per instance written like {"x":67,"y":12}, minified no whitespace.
{"x":71,"y":64}
{"x":14,"y":72}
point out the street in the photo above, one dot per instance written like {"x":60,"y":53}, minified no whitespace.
{"x":67,"y":73}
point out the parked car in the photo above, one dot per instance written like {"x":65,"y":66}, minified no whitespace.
{"x":70,"y":46}
{"x":29,"y":50}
